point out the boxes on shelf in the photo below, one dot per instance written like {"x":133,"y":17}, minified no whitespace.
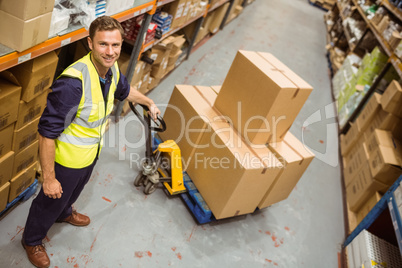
{"x":60,"y":21}
{"x":4,"y":192}
{"x":123,"y":62}
{"x":349,"y":139}
{"x":27,"y":9}
{"x":217,"y":19}
{"x":25,"y":136}
{"x":22,"y":181}
{"x":28,"y":111}
{"x":163,"y":20}
{"x":6,"y":164}
{"x":296,"y":158}
{"x":176,"y":9}
{"x":368,"y":250}
{"x":159,"y":71}
{"x":261,"y":97}
{"x":117,"y":6}
{"x":368,"y":112}
{"x":368,"y":206}
{"x":143,"y":83}
{"x":391,"y":100}
{"x":153,"y":82}
{"x":357,"y":160}
{"x":24,"y":33}
{"x":362,"y":187}
{"x":36,"y":75}
{"x":10,"y":93}
{"x":25,"y":158}
{"x":6,"y":139}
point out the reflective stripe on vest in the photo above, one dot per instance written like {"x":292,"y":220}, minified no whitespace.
{"x":78,"y":145}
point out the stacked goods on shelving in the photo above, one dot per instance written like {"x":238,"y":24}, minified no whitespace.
{"x":132,"y":28}
{"x":351,"y":83}
{"x":23,"y":95}
{"x":372,"y":151}
{"x":163,"y":20}
{"x":235,"y":10}
{"x":117,"y":6}
{"x":234,"y":168}
{"x":368,"y":250}
{"x":24,"y":24}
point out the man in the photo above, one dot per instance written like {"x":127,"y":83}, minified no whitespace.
{"x":71,"y":130}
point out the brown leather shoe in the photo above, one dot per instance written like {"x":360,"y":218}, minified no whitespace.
{"x":37,"y":255}
{"x":77,"y":219}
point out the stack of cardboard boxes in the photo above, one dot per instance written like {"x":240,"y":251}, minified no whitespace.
{"x":183,"y":11}
{"x":372,"y":153}
{"x":25,"y":23}
{"x":236,"y":151}
{"x":23,"y":94}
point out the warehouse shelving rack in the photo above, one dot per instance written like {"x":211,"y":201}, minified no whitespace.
{"x":392,"y":61}
{"x":386,"y":202}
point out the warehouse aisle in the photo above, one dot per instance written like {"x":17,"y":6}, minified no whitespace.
{"x":129,"y":229}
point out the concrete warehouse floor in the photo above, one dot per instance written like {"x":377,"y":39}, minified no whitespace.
{"x":129,"y":229}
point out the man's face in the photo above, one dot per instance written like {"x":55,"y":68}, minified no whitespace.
{"x":105,"y":46}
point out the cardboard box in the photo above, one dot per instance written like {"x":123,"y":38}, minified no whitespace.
{"x":28,"y":111}
{"x":368,"y":112}
{"x":177,"y":44}
{"x":174,"y":57}
{"x":383,"y":138}
{"x":176,"y":9}
{"x":261,"y":96}
{"x":4,"y":191}
{"x":368,"y":206}
{"x":24,"y":34}
{"x":159,"y":71}
{"x":359,"y":159}
{"x":186,"y":117}
{"x":385,"y":164}
{"x":6,"y":163}
{"x":10,"y":93}
{"x":349,"y":139}
{"x":217,"y":89}
{"x":218,"y":16}
{"x":25,"y":136}
{"x":26,"y":9}
{"x":6,"y":140}
{"x":296,"y":159}
{"x":391,"y":100}
{"x":143,"y":84}
{"x":22,"y":181}
{"x":153,"y":82}
{"x":231,"y":177}
{"x":25,"y":158}
{"x":362,"y":187}
{"x":385,"y":121}
{"x":36,"y":75}
{"x":123,"y":62}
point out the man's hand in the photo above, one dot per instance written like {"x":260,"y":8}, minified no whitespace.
{"x":154,"y":111}
{"x":52,"y":188}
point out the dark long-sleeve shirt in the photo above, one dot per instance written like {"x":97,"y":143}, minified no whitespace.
{"x":63,"y":101}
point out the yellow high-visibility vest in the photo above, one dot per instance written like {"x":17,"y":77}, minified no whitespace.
{"x":78,"y":145}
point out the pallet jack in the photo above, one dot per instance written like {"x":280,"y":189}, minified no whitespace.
{"x":161,"y":165}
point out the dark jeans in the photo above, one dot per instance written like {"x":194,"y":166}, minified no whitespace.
{"x":45,"y":211}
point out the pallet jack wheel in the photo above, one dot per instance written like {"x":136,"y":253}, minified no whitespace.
{"x":139,"y":179}
{"x":150,"y":188}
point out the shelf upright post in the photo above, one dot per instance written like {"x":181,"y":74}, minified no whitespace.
{"x":226,"y":14}
{"x":135,"y":53}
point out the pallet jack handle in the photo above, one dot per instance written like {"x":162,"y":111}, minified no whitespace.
{"x":146,"y":121}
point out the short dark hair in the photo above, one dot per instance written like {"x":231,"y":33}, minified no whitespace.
{"x":104,"y":23}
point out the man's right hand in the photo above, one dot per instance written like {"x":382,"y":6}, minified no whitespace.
{"x":52,"y":188}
